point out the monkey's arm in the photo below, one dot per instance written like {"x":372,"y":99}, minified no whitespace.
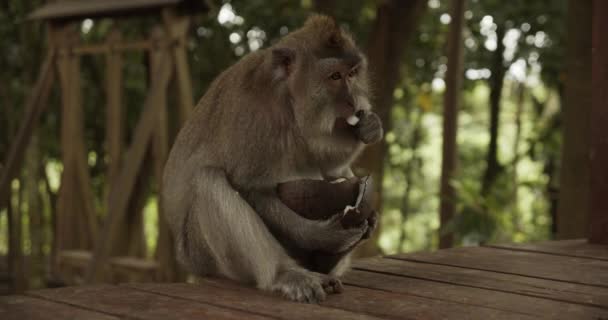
{"x":324,"y":235}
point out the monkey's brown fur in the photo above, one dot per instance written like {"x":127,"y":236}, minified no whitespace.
{"x":276,"y":115}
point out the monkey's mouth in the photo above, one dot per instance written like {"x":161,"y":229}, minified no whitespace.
{"x":345,"y":110}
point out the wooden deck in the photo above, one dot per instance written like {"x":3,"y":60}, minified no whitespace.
{"x":557,"y":280}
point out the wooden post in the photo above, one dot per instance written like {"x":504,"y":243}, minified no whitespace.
{"x":15,"y":247}
{"x":35,"y":105}
{"x":114,"y":112}
{"x":165,"y":253}
{"x":598,"y":215}
{"x":76,"y":225}
{"x":122,"y":190}
{"x":177,"y":28}
{"x":130,"y":235}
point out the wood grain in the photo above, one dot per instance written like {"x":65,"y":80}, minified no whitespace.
{"x":564,"y":292}
{"x":471,"y":297}
{"x":125,"y":302}
{"x":538,"y":265}
{"x":578,"y":248}
{"x":224,"y":293}
{"x":23,"y":307}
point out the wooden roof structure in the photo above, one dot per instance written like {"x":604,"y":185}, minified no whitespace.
{"x":82,"y":9}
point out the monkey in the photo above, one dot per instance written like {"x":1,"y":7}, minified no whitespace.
{"x":278,"y":114}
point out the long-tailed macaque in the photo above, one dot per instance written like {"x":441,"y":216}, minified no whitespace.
{"x":278,"y":114}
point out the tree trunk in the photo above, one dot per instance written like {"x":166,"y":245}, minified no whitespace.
{"x":493,"y":167}
{"x":575,"y":172}
{"x":447,"y":207}
{"x":410,"y":169}
{"x":15,"y":247}
{"x":516,"y":143}
{"x":394,"y":25}
{"x":34,"y":211}
{"x":598,"y":214}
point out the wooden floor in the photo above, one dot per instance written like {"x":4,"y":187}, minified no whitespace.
{"x":557,"y":280}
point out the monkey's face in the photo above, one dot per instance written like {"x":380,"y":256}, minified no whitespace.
{"x":339,"y":89}
{"x":326,"y":75}
{"x":343,"y":81}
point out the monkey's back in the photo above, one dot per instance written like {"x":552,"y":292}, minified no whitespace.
{"x":239,"y":125}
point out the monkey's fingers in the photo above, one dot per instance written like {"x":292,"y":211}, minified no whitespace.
{"x":372,"y":223}
{"x":333,"y":285}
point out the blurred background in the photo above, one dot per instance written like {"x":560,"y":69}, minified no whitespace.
{"x":472,"y":95}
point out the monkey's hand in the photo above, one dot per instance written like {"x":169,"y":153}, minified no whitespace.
{"x":369,"y":128}
{"x":333,"y":238}
{"x":372,"y":223}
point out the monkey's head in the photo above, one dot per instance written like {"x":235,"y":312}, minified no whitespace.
{"x":324,"y":72}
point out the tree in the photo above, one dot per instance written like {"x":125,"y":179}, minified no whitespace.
{"x":394,"y":25}
{"x":450,"y":122}
{"x":497,"y":69}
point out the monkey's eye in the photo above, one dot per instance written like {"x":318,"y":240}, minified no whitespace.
{"x":335,"y":76}
{"x":353,"y":73}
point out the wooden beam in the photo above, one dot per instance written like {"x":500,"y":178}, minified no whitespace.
{"x":76,"y":218}
{"x":177,"y":28}
{"x":114,"y":112}
{"x":598,"y":215}
{"x":123,"y":188}
{"x":165,"y":251}
{"x":34,"y":107}
{"x":105,"y":48}
{"x":131,"y":228}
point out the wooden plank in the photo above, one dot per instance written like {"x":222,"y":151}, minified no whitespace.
{"x":36,"y":104}
{"x":579,"y":248}
{"x":23,"y":307}
{"x":223,"y":293}
{"x":354,"y":303}
{"x":123,"y":188}
{"x":544,"y":266}
{"x":533,"y":287}
{"x":125,"y":302}
{"x":472,"y":297}
{"x":132,"y":269}
{"x":598,"y":155}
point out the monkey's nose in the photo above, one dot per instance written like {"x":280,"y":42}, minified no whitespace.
{"x":350,"y":102}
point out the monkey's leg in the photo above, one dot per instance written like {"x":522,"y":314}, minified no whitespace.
{"x":241,"y":246}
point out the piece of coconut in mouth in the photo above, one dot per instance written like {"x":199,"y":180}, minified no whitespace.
{"x":352,"y":120}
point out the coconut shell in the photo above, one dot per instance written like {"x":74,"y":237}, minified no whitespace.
{"x":320,"y":199}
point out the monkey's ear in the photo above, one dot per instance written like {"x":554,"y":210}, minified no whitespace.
{"x":282,"y":61}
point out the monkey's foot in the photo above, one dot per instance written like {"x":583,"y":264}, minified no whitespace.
{"x":305,"y":286}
